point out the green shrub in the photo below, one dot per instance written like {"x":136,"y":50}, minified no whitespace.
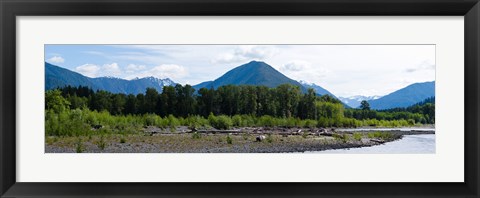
{"x":229,"y":139}
{"x":269,"y":138}
{"x":245,"y":136}
{"x":122,"y":140}
{"x":220,"y":122}
{"x":237,"y":121}
{"x":266,"y":121}
{"x":173,"y":121}
{"x":79,"y":148}
{"x":337,"y":136}
{"x":101,"y":143}
{"x":196,"y":135}
{"x":345,"y":138}
{"x":310,"y":123}
{"x":357,"y":136}
{"x":305,"y":134}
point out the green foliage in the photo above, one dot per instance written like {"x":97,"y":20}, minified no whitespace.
{"x":229,"y":139}
{"x":421,"y":113}
{"x":102,"y":144}
{"x":266,"y":121}
{"x":269,"y":138}
{"x":341,"y":137}
{"x":381,"y":135}
{"x":123,"y":140}
{"x":245,"y":136}
{"x":196,"y":135}
{"x":310,"y":123}
{"x":80,"y":111}
{"x":195,"y":122}
{"x":345,"y":138}
{"x":220,"y":122}
{"x":305,"y":134}
{"x":337,"y":136}
{"x":357,"y":136}
{"x":55,"y":102}
{"x":364,"y":105}
{"x":79,"y":148}
{"x":330,"y":110}
{"x":285,"y":101}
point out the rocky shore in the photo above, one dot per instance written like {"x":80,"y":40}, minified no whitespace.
{"x":241,"y":140}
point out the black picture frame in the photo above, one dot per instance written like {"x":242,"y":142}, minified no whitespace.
{"x":10,"y":9}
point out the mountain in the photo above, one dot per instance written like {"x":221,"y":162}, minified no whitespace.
{"x":252,"y":73}
{"x":405,"y":97}
{"x":354,"y":101}
{"x":59,"y":77}
{"x":202,"y":85}
{"x":319,"y":90}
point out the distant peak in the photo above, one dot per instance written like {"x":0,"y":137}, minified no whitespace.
{"x":112,"y":77}
{"x":256,"y":62}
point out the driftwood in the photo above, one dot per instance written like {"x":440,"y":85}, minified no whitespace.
{"x":284,"y":132}
{"x":326,"y":134}
{"x":220,"y":131}
{"x":377,"y":141}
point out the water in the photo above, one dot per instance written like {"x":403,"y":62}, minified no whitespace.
{"x":387,"y":129}
{"x":409,"y":144}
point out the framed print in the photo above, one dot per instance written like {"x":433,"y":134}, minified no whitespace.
{"x":239,"y":98}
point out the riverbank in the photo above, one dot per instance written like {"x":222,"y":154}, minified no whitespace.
{"x":409,"y":144}
{"x":239,"y":140}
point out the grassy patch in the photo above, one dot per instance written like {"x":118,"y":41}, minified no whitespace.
{"x":79,"y":148}
{"x":357,"y":136}
{"x":381,"y":135}
{"x":305,"y":134}
{"x":102,"y":144}
{"x":196,"y":135}
{"x":269,"y":138}
{"x":122,"y":140}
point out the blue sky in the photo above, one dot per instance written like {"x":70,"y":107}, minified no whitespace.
{"x":345,"y":70}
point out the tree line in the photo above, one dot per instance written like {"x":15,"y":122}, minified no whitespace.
{"x":223,"y":107}
{"x":181,"y":101}
{"x":422,"y":112}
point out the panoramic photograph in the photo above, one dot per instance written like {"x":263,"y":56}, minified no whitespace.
{"x":315,"y":99}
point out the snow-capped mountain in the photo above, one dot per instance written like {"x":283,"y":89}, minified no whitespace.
{"x":59,"y":77}
{"x":318,"y":89}
{"x":354,"y":101}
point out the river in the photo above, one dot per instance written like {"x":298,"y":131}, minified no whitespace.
{"x":409,"y":144}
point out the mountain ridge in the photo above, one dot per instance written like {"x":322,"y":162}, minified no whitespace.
{"x":251,"y":73}
{"x":354,"y":101}
{"x":405,"y":97}
{"x":56,"y":76}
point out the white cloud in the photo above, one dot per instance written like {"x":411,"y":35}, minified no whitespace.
{"x":111,"y":69}
{"x":246,"y":53}
{"x":296,"y":66}
{"x":94,"y":53}
{"x":92,"y":70}
{"x":89,"y":70}
{"x":425,"y":65}
{"x":131,"y":68}
{"x":56,"y":59}
{"x":342,"y":69}
{"x":163,"y":71}
{"x":305,"y":71}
